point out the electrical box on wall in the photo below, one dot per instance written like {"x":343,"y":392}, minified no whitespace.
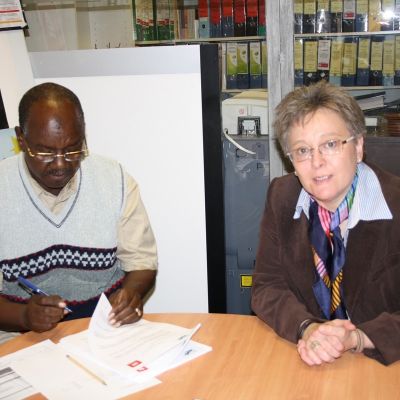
{"x":246,"y":114}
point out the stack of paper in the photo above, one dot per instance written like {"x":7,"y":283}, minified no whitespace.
{"x":104,"y":362}
{"x":138,"y":351}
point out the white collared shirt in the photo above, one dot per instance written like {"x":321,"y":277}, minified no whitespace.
{"x":369,"y":203}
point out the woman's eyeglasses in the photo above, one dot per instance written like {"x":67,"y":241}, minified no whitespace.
{"x":328,"y":148}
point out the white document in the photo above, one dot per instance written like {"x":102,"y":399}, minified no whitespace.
{"x":13,"y":386}
{"x":136,"y":351}
{"x":46,"y":366}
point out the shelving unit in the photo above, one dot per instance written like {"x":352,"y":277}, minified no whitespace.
{"x":198,"y":40}
{"x":374,"y":60}
{"x":342,"y":34}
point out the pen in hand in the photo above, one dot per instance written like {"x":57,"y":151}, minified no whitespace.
{"x":33,"y":289}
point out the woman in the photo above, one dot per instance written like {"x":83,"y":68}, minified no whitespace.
{"x":327,"y":275}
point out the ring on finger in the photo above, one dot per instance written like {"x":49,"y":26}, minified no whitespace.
{"x":314,"y":344}
{"x":138,"y":311}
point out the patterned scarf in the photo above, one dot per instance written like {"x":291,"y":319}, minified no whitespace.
{"x":329,"y":254}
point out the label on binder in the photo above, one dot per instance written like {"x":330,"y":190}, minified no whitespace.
{"x":337,"y":56}
{"x":298,"y":54}
{"x":362,"y":6}
{"x":376,"y":56}
{"x":324,"y":54}
{"x":298,"y":6}
{"x":336,"y":6}
{"x":388,"y":56}
{"x":349,"y":9}
{"x":310,"y":7}
{"x":397,"y":52}
{"x":363,"y":52}
{"x":310,"y":56}
{"x":349,"y":58}
{"x":323,"y":5}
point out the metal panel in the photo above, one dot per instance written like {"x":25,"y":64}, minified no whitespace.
{"x":245,"y":185}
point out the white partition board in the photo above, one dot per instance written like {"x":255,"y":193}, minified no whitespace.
{"x":143,"y":107}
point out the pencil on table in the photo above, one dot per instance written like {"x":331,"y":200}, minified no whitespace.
{"x":87,"y":370}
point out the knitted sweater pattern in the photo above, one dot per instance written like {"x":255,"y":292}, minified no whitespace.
{"x":72,"y":254}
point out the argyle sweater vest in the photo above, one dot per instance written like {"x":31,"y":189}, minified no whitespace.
{"x":72,"y":254}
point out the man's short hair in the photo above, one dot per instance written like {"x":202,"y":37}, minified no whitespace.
{"x":304,"y":101}
{"x":48,"y":91}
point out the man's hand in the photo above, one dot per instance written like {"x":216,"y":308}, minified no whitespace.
{"x":327,"y":341}
{"x":42,"y":313}
{"x":127,"y":307}
{"x":127,"y":303}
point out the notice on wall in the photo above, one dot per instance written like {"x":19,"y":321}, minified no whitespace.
{"x":11,"y":15}
{"x":8,"y":144}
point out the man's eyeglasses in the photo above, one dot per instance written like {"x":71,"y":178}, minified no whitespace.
{"x":328,"y":148}
{"x":71,"y":156}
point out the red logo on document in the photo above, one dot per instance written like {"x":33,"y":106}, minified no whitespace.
{"x":136,"y":363}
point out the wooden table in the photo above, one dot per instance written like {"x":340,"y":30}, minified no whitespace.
{"x":249,"y":362}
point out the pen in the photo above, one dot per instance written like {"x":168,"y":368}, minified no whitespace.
{"x":33,"y":289}
{"x":87,"y":370}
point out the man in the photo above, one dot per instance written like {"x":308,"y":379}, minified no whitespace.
{"x":72,"y":223}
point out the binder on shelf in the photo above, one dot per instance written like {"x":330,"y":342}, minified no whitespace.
{"x":223,"y":69}
{"x":204,"y":19}
{"x":388,"y":12}
{"x":186,"y":21}
{"x":309,"y":16}
{"x":162,"y":19}
{"x":388,"y":60}
{"x":231,"y":65}
{"x":375,"y":76}
{"x":397,"y":60}
{"x":298,"y":62}
{"x":298,"y":16}
{"x":396,"y":19}
{"x":324,"y":57}
{"x":336,"y":15}
{"x":227,"y":18}
{"x":310,"y":66}
{"x":349,"y":66}
{"x":323,"y":17}
{"x":264,"y":64}
{"x":215,"y":19}
{"x":362,"y":15}
{"x":335,"y":73}
{"x":172,"y":19}
{"x":349,"y":16}
{"x":149,"y":28}
{"x":251,"y":18}
{"x":239,"y":18}
{"x":374,"y":15}
{"x":139,"y":15}
{"x":363,"y":63}
{"x":262,"y":20}
{"x":255,"y":65}
{"x":242,"y":65}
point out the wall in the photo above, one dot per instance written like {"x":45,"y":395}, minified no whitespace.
{"x":143,"y":107}
{"x":15,"y":72}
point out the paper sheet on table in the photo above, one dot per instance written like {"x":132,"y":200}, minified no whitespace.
{"x":46,"y":366}
{"x":137,"y":350}
{"x":13,"y":386}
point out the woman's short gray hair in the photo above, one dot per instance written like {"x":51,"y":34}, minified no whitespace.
{"x":306,"y":100}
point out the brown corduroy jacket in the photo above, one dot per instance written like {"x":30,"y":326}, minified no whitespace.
{"x":282,"y":294}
